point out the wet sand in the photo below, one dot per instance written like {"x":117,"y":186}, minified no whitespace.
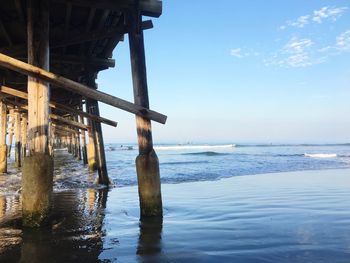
{"x":281,"y":217}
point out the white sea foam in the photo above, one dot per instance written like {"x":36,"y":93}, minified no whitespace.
{"x":320,"y":155}
{"x":193,"y":147}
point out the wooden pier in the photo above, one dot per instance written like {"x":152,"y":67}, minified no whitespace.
{"x":51,"y":52}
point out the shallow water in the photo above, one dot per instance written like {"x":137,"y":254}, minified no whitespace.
{"x":280,"y":217}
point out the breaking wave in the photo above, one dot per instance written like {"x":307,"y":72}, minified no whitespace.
{"x":193,"y":147}
{"x":321,"y":155}
{"x":206,"y":153}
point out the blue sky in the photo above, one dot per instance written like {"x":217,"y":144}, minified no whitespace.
{"x":241,"y":71}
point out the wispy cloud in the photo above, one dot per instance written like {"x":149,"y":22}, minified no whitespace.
{"x":301,"y":21}
{"x":341,"y":44}
{"x":328,"y":13}
{"x":238,"y":53}
{"x":325,"y":13}
{"x":298,"y":60}
{"x":295,"y":53}
{"x":343,"y":41}
{"x":297,"y":46}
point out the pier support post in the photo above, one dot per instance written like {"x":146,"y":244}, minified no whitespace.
{"x":69,"y":140}
{"x":3,"y":146}
{"x":147,"y":164}
{"x":74,"y":144}
{"x":51,"y":139}
{"x":91,"y":151}
{"x":92,"y":105}
{"x":24,"y":134}
{"x":83,"y":139}
{"x":18,"y":143}
{"x":77,"y":139}
{"x":10,"y":133}
{"x":37,"y":178}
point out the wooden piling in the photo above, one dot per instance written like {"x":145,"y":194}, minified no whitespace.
{"x":92,"y":105}
{"x":3,"y":146}
{"x":74,"y":144}
{"x":77,"y":139}
{"x":91,"y":153}
{"x":83,"y":139}
{"x":37,"y":181}
{"x":51,"y":139}
{"x":24,"y":126}
{"x":147,"y":164}
{"x":18,"y":136}
{"x":10,"y":133}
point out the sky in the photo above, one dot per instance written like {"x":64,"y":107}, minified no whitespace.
{"x":238,"y":71}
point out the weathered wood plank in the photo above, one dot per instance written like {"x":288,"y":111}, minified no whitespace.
{"x":39,"y":73}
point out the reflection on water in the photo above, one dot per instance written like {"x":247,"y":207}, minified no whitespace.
{"x":149,"y":244}
{"x":75,"y":234}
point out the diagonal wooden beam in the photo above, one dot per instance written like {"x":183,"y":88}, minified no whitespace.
{"x":58,"y":106}
{"x":59,"y":81}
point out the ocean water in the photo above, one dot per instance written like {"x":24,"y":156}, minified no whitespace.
{"x":222,"y":203}
{"x":190,"y":163}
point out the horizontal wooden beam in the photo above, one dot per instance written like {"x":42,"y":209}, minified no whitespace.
{"x":151,"y":8}
{"x":70,"y":122}
{"x":63,"y":128}
{"x":70,"y":40}
{"x":53,"y":117}
{"x":58,"y":106}
{"x":30,"y":70}
{"x":78,"y":60}
{"x":75,"y":39}
{"x":95,"y":62}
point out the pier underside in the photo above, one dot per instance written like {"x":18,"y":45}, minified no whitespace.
{"x":51,"y":52}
